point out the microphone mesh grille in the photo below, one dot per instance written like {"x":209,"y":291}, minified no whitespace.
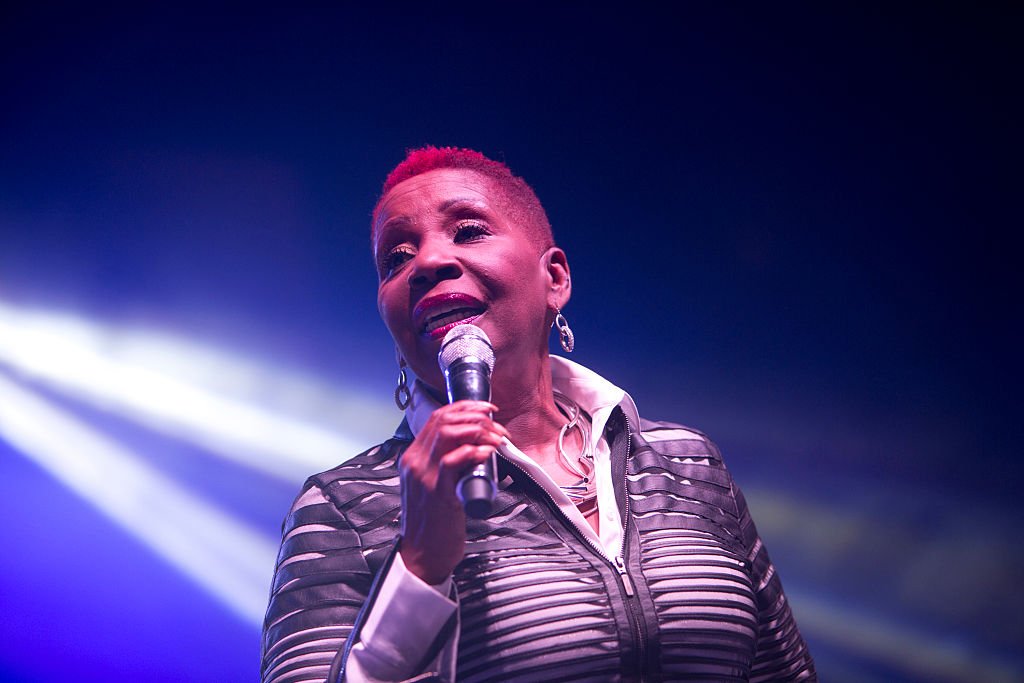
{"x":465,"y":341}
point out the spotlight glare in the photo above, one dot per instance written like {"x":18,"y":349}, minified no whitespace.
{"x":190,"y":393}
{"x":221,"y":554}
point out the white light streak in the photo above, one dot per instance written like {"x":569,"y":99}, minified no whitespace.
{"x":192,"y":393}
{"x":224,"y":556}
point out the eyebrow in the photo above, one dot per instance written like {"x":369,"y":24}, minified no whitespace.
{"x":461,"y":202}
{"x":448,"y":206}
{"x":390,"y":224}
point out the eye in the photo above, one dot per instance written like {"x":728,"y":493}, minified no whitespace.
{"x":470,"y":231}
{"x":394,"y":259}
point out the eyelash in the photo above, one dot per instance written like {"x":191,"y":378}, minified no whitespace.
{"x":390,"y":262}
{"x":469,"y":231}
{"x":475,"y":230}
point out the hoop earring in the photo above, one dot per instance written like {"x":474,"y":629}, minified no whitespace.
{"x":402,"y":394}
{"x":565,"y":335}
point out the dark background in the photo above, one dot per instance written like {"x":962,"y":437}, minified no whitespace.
{"x":790,"y":226}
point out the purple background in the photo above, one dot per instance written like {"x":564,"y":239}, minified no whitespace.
{"x":788,"y":227}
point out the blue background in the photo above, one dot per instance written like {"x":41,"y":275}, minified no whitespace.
{"x":790,"y":227}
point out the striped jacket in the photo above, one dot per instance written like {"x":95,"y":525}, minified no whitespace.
{"x":696,"y":597}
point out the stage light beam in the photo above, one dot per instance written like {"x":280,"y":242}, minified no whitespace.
{"x":190,"y":393}
{"x":224,"y":556}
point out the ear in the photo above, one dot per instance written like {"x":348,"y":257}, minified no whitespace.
{"x":559,"y":283}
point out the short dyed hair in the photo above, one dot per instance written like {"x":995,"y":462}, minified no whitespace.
{"x":520,"y":201}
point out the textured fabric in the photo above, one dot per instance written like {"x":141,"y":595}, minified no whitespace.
{"x":698,"y":598}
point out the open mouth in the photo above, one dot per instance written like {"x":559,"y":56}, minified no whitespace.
{"x":448,"y":320}
{"x":440,"y":313}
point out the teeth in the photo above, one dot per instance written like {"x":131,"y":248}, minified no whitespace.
{"x":449,"y":317}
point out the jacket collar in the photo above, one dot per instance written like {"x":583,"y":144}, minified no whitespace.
{"x":594,"y":394}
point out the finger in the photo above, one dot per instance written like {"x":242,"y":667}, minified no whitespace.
{"x":463,"y":418}
{"x":457,"y":412}
{"x":452,"y":436}
{"x":457,"y":462}
{"x":500,"y":428}
{"x":455,"y":435}
{"x":467,"y":411}
{"x":448,"y":421}
{"x":468,"y":405}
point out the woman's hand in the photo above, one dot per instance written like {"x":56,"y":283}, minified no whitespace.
{"x":456,"y":438}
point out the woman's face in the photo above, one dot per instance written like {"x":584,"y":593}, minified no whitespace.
{"x":448,"y":253}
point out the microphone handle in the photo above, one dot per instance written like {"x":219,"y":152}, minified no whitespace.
{"x":470,"y":380}
{"x":476,"y":490}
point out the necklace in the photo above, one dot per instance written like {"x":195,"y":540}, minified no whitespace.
{"x":584,"y":492}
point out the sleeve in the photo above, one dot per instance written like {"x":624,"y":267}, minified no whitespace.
{"x":324,"y":591}
{"x":781,"y":653}
{"x":407,"y":618}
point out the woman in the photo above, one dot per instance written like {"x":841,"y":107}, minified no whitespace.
{"x":618,"y":548}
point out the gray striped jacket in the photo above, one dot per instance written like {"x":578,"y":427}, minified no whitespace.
{"x":695,"y":599}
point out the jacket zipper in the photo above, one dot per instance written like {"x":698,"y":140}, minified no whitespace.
{"x":635,"y":617}
{"x":619,"y":562}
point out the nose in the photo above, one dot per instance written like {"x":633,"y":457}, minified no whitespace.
{"x":433,"y":263}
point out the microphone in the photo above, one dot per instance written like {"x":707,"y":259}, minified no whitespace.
{"x":467,"y":359}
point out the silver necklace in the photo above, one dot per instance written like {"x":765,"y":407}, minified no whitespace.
{"x":583,"y":492}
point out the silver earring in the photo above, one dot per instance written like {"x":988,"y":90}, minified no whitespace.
{"x":565,"y":335}
{"x":402,"y":394}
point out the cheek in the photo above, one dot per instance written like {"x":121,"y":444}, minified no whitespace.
{"x":510,"y":271}
{"x":388,"y":308}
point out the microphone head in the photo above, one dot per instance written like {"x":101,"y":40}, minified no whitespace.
{"x":466,"y":342}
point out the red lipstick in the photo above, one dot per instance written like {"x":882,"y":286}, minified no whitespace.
{"x":437,"y":314}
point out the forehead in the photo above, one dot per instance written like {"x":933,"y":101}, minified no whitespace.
{"x":436,"y":191}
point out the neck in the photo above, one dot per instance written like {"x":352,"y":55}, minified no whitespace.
{"x":526,"y":407}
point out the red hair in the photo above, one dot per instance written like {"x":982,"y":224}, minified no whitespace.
{"x":520,"y":201}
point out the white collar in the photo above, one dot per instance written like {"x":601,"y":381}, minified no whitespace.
{"x":591,"y":391}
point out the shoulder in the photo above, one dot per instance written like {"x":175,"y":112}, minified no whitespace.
{"x":372,"y":473}
{"x":377,"y":462}
{"x":678,"y":441}
{"x":357,"y":502}
{"x":375,"y":470}
{"x":681,"y":470}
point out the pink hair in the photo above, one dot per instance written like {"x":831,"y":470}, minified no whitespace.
{"x":519,"y":198}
